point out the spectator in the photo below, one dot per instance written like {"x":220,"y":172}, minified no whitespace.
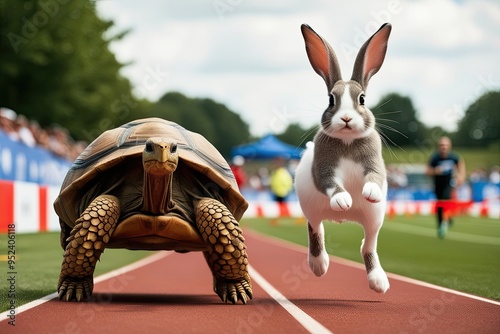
{"x":43,"y":139}
{"x":396,"y":177}
{"x":58,"y":141}
{"x":495,"y":175}
{"x":238,"y":171}
{"x":36,"y":131}
{"x":255,"y":183}
{"x":448,"y":171}
{"x":8,"y":124}
{"x":263,"y":174}
{"x":281,"y":184}
{"x":281,"y":181}
{"x":24,"y":132}
{"x":478,"y":175}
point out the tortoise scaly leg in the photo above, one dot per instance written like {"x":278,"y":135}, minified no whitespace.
{"x":84,"y":247}
{"x":226,"y":255}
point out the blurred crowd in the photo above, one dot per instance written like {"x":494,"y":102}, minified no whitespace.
{"x":482,"y":175}
{"x":54,"y":139}
{"x":396,"y":177}
{"x":275,"y":176}
{"x":259,"y":177}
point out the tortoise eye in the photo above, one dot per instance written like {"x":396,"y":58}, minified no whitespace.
{"x":173,"y":148}
{"x":149,"y":147}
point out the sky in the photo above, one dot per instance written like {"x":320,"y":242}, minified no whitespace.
{"x":250,"y":55}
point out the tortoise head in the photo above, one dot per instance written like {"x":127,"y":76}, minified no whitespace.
{"x":160,"y":156}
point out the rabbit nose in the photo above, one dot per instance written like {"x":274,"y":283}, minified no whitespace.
{"x":346,"y":119}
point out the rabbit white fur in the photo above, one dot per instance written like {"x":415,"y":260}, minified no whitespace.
{"x":342,"y":177}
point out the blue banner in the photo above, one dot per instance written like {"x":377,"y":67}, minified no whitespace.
{"x":19,"y":162}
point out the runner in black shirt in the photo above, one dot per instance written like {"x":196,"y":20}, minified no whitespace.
{"x":448,"y":171}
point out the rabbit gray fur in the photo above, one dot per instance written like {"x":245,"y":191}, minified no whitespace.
{"x":342,"y":177}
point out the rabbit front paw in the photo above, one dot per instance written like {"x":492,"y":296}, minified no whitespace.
{"x":372,"y":192}
{"x":341,"y":201}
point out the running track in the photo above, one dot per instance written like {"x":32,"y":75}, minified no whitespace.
{"x":172,"y":293}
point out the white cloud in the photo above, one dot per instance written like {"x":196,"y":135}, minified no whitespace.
{"x":251,"y":55}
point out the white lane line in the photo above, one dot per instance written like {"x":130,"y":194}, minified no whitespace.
{"x":299,"y":248}
{"x":303,"y":318}
{"x":150,"y":259}
{"x":5,"y":315}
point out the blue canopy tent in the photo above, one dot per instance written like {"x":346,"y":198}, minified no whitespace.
{"x":268,"y":147}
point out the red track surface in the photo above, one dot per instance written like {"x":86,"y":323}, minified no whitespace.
{"x":174,"y":295}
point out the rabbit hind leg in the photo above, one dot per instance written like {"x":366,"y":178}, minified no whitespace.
{"x":377,"y":278}
{"x":318,"y":258}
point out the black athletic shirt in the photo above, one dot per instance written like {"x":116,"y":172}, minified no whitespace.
{"x":442,"y":181}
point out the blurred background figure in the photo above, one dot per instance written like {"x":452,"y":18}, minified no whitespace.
{"x":495,"y":175}
{"x":263,"y":175}
{"x":396,"y":177}
{"x":281,"y":181}
{"x":448,"y":171}
{"x":281,"y":185}
{"x":8,"y":123}
{"x":238,"y":171}
{"x":24,"y":131}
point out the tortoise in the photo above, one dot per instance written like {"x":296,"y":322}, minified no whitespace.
{"x":151,"y":184}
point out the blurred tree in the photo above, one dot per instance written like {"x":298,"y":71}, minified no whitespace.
{"x":219,"y":125}
{"x":396,"y":120}
{"x":185,"y":111}
{"x":56,"y":66}
{"x":294,"y":134}
{"x":436,"y":132}
{"x":480,"y":125}
{"x":229,"y":128}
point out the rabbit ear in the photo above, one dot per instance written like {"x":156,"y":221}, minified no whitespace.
{"x":371,"y":56}
{"x":321,"y":56}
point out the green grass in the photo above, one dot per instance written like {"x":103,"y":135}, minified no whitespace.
{"x":38,"y":265}
{"x":467,"y":260}
{"x":475,"y":158}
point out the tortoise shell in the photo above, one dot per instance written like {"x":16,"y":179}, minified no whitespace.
{"x":112,"y":164}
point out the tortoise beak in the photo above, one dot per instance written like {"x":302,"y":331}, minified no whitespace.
{"x":163,"y":156}
{"x":166,"y":157}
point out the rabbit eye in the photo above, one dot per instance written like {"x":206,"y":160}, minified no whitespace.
{"x":362,"y":99}
{"x":332,"y":101}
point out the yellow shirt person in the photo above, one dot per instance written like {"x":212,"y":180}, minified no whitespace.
{"x":281,"y":184}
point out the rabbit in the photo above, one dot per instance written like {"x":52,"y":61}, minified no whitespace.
{"x":342,"y":176}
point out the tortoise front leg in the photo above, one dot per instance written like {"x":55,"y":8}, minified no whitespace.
{"x":226,"y":255}
{"x":84,"y":247}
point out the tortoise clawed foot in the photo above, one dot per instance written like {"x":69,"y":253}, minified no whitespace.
{"x":72,"y":288}
{"x":226,"y":255}
{"x":234,"y":290}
